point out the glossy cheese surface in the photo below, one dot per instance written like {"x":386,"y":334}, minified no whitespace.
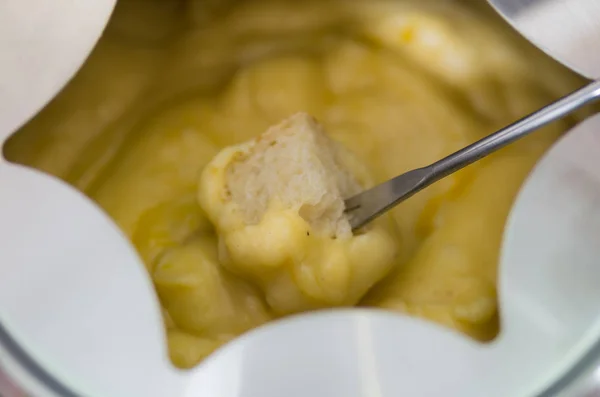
{"x":398,"y":83}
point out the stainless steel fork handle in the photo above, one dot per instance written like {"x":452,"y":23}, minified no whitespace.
{"x":515,"y":131}
{"x":368,"y":205}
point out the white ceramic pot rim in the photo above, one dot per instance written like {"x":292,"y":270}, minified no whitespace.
{"x":343,"y":350}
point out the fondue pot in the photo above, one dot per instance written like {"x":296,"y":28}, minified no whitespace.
{"x":79,"y":316}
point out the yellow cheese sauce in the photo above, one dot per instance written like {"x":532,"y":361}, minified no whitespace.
{"x":399,"y":83}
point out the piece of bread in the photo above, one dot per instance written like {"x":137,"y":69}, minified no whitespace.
{"x":298,"y":165}
{"x":277,"y":204}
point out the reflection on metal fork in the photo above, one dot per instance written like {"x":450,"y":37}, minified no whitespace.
{"x":372,"y":203}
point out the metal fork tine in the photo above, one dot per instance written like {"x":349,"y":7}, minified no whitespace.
{"x":368,"y":205}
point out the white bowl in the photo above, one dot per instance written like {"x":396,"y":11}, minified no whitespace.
{"x":43,"y":43}
{"x":79,"y":316}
